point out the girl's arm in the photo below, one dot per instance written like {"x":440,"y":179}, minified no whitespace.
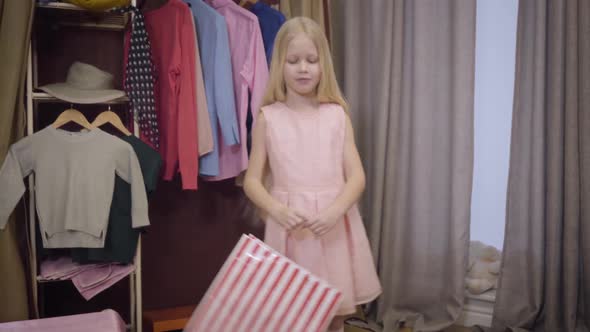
{"x":354,"y":187}
{"x":253,"y":182}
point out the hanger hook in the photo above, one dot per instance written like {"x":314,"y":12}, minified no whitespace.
{"x":109,"y":107}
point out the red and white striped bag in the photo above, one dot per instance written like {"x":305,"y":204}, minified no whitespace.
{"x":258,"y":289}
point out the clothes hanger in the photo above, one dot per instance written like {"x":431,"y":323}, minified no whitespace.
{"x":111,"y":117}
{"x":72,"y":115}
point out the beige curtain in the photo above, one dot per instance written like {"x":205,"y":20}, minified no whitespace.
{"x":310,"y":8}
{"x":15,"y":26}
{"x":318,"y":10}
{"x":545,"y":278}
{"x":407,"y":68}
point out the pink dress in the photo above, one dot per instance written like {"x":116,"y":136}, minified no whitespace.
{"x":305,"y":152}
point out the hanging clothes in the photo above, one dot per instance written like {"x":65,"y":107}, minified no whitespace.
{"x":270,"y":21}
{"x":250,"y":75}
{"x":121,"y":238}
{"x":213,"y":43}
{"x":139,"y":78}
{"x":203,"y":118}
{"x":74,"y":175}
{"x":173,"y":49}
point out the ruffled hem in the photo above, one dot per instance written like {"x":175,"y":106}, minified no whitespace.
{"x":342,"y":257}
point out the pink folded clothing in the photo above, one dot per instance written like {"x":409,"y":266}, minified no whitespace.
{"x":106,"y":320}
{"x":258,"y":289}
{"x":63,"y":268}
{"x":92,"y":277}
{"x":89,"y":279}
{"x":93,"y":281}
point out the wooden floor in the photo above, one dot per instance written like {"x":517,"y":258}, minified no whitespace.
{"x":450,"y":329}
{"x":457,"y":329}
{"x":359,"y":314}
{"x":407,"y":329}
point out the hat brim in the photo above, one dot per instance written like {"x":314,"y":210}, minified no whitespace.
{"x":71,"y":94}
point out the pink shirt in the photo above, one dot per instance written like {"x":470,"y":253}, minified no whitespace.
{"x":203,"y":119}
{"x":173,"y":41}
{"x":250,"y":73}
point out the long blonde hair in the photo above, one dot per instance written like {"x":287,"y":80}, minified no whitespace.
{"x":327,"y":89}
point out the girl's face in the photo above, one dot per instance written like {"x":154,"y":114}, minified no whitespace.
{"x":302,"y":70}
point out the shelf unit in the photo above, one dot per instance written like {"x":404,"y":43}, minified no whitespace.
{"x":76,"y":17}
{"x":42,"y":96}
{"x":60,"y":5}
{"x":80,"y":17}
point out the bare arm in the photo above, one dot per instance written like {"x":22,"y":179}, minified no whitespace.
{"x":353,"y":188}
{"x":253,"y":183}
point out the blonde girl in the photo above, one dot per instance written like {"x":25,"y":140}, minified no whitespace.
{"x":304,"y":139}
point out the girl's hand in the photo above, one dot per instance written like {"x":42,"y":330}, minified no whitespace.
{"x":324,"y":221}
{"x":287,"y":217}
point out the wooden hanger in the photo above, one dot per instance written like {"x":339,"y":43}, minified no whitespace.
{"x":72,"y":115}
{"x":112,"y":118}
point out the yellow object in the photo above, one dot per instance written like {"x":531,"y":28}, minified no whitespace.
{"x":99,"y":5}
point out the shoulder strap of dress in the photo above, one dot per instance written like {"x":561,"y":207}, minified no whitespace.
{"x":338,"y":110}
{"x":340,"y":114}
{"x":270,"y":111}
{"x":267,"y":111}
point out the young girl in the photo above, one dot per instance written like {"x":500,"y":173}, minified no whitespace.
{"x":305,"y":137}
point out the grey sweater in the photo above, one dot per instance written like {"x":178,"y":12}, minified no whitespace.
{"x":74,"y":181}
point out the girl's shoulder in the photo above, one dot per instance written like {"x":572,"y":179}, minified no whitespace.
{"x":279,"y":112}
{"x":334,"y":109}
{"x":271,"y":108}
{"x":269,"y":112}
{"x":280,"y":106}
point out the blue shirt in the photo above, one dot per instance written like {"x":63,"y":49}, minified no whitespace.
{"x":213,"y":41}
{"x":270,"y":21}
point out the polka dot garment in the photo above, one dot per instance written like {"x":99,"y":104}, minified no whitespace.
{"x":139,"y":77}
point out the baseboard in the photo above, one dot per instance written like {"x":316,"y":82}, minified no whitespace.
{"x":478,"y":310}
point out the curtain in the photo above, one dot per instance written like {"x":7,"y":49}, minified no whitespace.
{"x":407,"y":69}
{"x":15,"y":28}
{"x":545,"y":277}
{"x":318,"y":10}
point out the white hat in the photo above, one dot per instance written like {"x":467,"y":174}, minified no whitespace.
{"x":85,"y":84}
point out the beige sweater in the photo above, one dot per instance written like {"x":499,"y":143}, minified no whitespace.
{"x":74,"y":176}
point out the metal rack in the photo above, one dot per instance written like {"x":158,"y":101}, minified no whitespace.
{"x":75,"y":16}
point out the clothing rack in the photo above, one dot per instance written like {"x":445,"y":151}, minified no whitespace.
{"x":34,"y":97}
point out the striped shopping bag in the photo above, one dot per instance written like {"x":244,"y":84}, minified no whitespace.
{"x":258,"y":289}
